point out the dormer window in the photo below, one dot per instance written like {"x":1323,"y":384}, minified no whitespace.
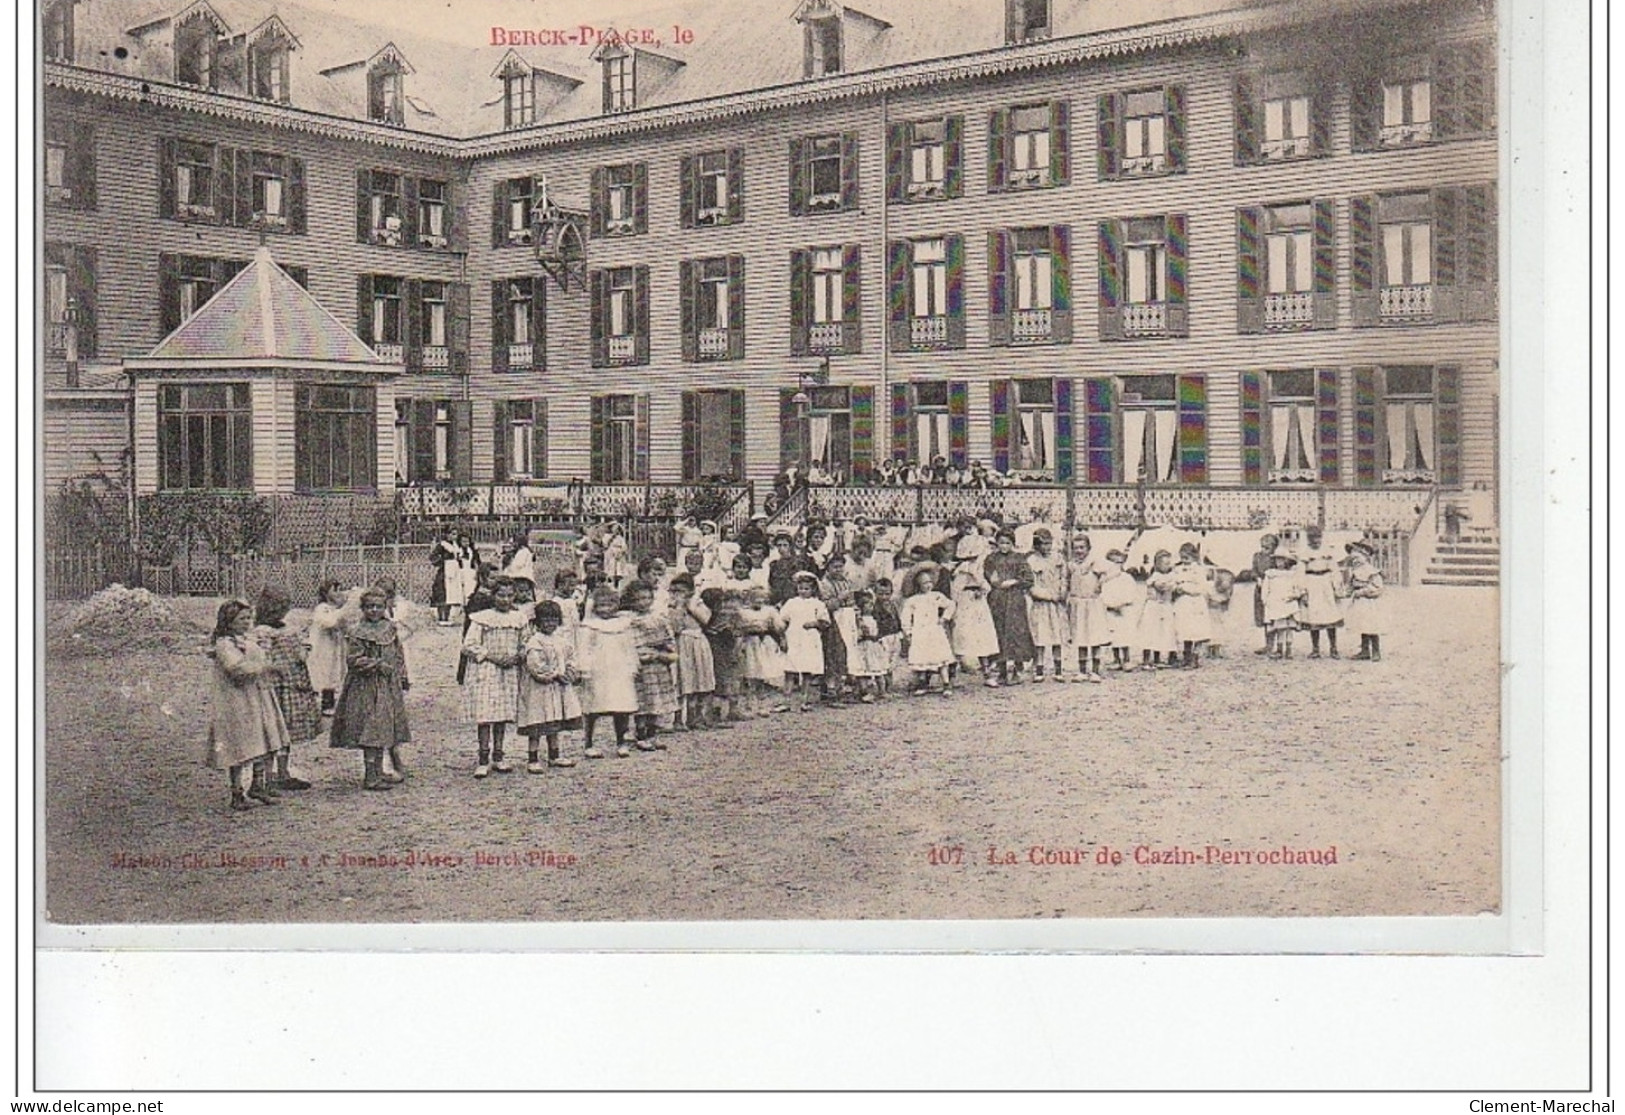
{"x":386,"y":93}
{"x":196,"y":41}
{"x":620,"y":87}
{"x":823,"y":46}
{"x":268,"y":67}
{"x":56,"y":23}
{"x":518,"y":97}
{"x":1026,"y":20}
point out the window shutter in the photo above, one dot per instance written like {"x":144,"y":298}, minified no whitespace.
{"x":1060,"y":143}
{"x":598,"y":281}
{"x":1100,"y":433}
{"x":1447,"y":393}
{"x":363,"y":309}
{"x":1320,"y":115}
{"x":1447,"y":230}
{"x":736,"y":184}
{"x":953,"y":156}
{"x":902,"y":426}
{"x":998,"y":287}
{"x":1060,"y":244}
{"x":1325,"y":264}
{"x":851,"y":304}
{"x":686,"y":312}
{"x":998,"y":150}
{"x":421,"y":435}
{"x":640,"y":197}
{"x":1477,"y":87}
{"x":604,"y":86}
{"x":169,"y":296}
{"x":363,"y":206}
{"x":1363,"y":260}
{"x":1252,"y":429}
{"x":800,"y":296}
{"x":640,"y":303}
{"x":959,"y":423}
{"x":736,"y":307}
{"x":499,"y":215}
{"x":898,"y":294}
{"x":1177,"y":231}
{"x":691,"y":436}
{"x":1480,"y":266}
{"x":82,"y":287}
{"x":296,"y":196}
{"x":499,"y":458}
{"x":1445,"y":76}
{"x":600,"y":426}
{"x":1173,"y":98}
{"x":538,"y":322}
{"x":458,"y":313}
{"x":499,"y":327}
{"x":687,"y":191}
{"x":1109,"y":136}
{"x":166,"y":177}
{"x":789,"y":429}
{"x":1193,"y":429}
{"x":414,"y":325}
{"x":225,"y":185}
{"x":1365,"y":110}
{"x":598,"y":202}
{"x":1326,"y":421}
{"x":1001,"y":425}
{"x":897,"y":155}
{"x":849,"y":170}
{"x":955,"y":251}
{"x":409,"y":212}
{"x":640,"y":451}
{"x":538,"y":446}
{"x":1065,"y":451}
{"x":863,"y":433}
{"x":1250,"y":270}
{"x":457,"y":214}
{"x":237,"y":205}
{"x":81,"y":164}
{"x":1249,"y":118}
{"x":798,"y":178}
{"x":1365,"y":426}
{"x":736,"y":434}
{"x":1111,"y":280}
{"x":807,"y":33}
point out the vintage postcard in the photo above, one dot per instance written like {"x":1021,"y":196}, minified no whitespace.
{"x":975,"y":460}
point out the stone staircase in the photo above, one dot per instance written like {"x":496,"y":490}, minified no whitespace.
{"x":1472,"y":561}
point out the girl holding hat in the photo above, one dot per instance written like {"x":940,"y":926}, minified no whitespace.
{"x":925,"y":617}
{"x":1366,"y":614}
{"x":1046,"y":605}
{"x":975,"y":641}
{"x":1009,"y":577}
{"x":1087,"y":630}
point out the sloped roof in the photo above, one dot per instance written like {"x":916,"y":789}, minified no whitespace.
{"x":737,"y":46}
{"x":262,"y":316}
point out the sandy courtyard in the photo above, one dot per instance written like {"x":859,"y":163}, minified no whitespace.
{"x":889,"y":811}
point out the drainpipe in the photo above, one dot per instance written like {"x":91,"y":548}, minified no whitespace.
{"x":883,"y":429}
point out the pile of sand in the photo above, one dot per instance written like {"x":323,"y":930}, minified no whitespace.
{"x":121,"y":619}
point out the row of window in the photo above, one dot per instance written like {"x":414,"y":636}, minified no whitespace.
{"x":212,"y":183}
{"x":1109,"y":430}
{"x":1139,"y":133}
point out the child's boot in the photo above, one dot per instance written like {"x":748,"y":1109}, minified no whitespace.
{"x":259,"y":789}
{"x":482,"y":762}
{"x":284,"y":779}
{"x":374,"y":778}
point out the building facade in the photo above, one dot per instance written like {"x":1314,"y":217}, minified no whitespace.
{"x":1236,"y":247}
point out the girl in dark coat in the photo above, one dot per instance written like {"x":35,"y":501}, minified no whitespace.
{"x":371,"y":713}
{"x":1009,"y":577}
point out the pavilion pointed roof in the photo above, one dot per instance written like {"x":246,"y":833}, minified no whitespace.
{"x":262,"y":318}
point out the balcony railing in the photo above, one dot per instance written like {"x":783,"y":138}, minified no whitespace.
{"x":56,"y":337}
{"x":826,"y":336}
{"x":521,"y":356}
{"x":928,"y":331}
{"x":623,"y":349}
{"x":436,"y":357}
{"x":1398,"y":135}
{"x":1285,"y":148}
{"x":1406,"y":303}
{"x":1032,"y":176}
{"x":390,"y":354}
{"x":1031,"y":325}
{"x":193,"y":209}
{"x":713,"y":342}
{"x":1145,"y":319}
{"x":926,"y":191}
{"x":1289,"y":311}
{"x":1146,"y":164}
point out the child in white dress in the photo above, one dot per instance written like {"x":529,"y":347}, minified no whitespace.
{"x":548,"y":703}
{"x":926,"y":615}
{"x":607,"y":655}
{"x":761,"y":626}
{"x":805,"y":619}
{"x":1366,"y":612}
{"x":1121,"y":597}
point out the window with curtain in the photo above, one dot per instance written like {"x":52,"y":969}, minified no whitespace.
{"x":1145,"y":261}
{"x":442,"y":440}
{"x":1034,"y":451}
{"x":931,"y":428}
{"x":930,"y":278}
{"x":1408,"y":426}
{"x":1292,"y":427}
{"x":403,"y":442}
{"x":1145,"y":131}
{"x":434,"y":314}
{"x":829,"y":429}
{"x":519,"y":312}
{"x":205,"y":437}
{"x":827,"y":277}
{"x":520,"y":193}
{"x":432,"y":214}
{"x":619,"y":215}
{"x":713,"y":186}
{"x":1290,"y":242}
{"x":194,"y":180}
{"x":1034,"y":269}
{"x":1407,"y":102}
{"x":270,"y":188}
{"x":621,"y":303}
{"x":927,"y":159}
{"x":523,"y":445}
{"x":384,"y":207}
{"x":1407,"y":240}
{"x":1150,"y":429}
{"x":386,"y":310}
{"x":1030,"y":144}
{"x":620,"y":438}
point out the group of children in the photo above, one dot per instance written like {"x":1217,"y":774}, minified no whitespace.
{"x":748,"y":628}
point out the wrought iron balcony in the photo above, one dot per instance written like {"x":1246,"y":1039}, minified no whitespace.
{"x":826,"y":336}
{"x":1145,"y":319}
{"x":1292,"y":148}
{"x":390,"y":353}
{"x":1146,"y":164}
{"x":1406,"y":303}
{"x":623,"y":349}
{"x":1289,"y":311}
{"x":1031,"y":325}
{"x":521,"y":356}
{"x":713,"y":342}
{"x":1399,"y":135}
{"x":436,"y":357}
{"x":928,"y":330}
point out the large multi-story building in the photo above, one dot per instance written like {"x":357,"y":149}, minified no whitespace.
{"x":1187,"y":244}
